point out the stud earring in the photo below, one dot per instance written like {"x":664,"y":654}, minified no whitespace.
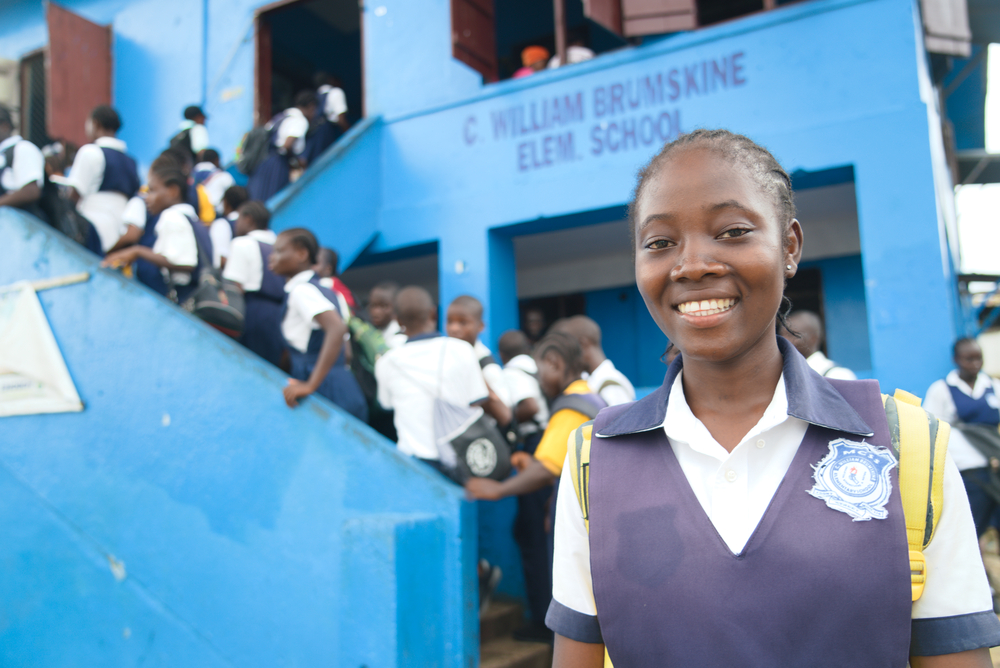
{"x":788,"y":267}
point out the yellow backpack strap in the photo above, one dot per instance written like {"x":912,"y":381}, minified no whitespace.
{"x":579,"y":467}
{"x":206,"y":212}
{"x":920,"y":442}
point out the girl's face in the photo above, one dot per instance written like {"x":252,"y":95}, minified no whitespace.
{"x":711,"y":255}
{"x":551,"y":374}
{"x":287,"y":259}
{"x":160,"y":197}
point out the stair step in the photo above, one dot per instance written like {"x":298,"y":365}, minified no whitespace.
{"x":510,"y":653}
{"x":500,"y":620}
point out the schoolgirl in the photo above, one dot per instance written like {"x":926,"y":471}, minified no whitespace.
{"x":712,"y":538}
{"x":263,"y":290}
{"x":313,"y":328}
{"x":170,"y":238}
{"x":288,"y":142}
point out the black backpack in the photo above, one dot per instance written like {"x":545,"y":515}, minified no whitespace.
{"x":257,"y":145}
{"x":54,"y":208}
{"x":182,"y":141}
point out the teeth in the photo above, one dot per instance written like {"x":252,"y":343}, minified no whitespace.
{"x":706,"y":307}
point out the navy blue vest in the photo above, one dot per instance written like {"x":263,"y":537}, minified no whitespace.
{"x":201,"y":175}
{"x":810,"y":588}
{"x":151,"y":275}
{"x":975,"y":411}
{"x":316,"y":338}
{"x":120,"y":173}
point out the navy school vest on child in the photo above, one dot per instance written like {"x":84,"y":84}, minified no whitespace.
{"x":151,"y":275}
{"x":812,"y":587}
{"x":120,"y":173}
{"x":264,"y":313}
{"x":976,"y":411}
{"x":339,"y":386}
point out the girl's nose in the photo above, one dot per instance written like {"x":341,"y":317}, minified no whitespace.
{"x":695,"y":263}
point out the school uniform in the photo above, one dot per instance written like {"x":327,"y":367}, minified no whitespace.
{"x":198,"y":134}
{"x":215,"y":181}
{"x":263,"y":292}
{"x":492,"y":372}
{"x":393,"y":335}
{"x":824,"y":366}
{"x":521,"y":375}
{"x":273,"y":173}
{"x":611,"y":384}
{"x":327,"y":130}
{"x":411,"y":377}
{"x":105,"y":177}
{"x":221,"y":232}
{"x":700,"y":557}
{"x":27,"y":165}
{"x":304,"y":300}
{"x":952,"y":400}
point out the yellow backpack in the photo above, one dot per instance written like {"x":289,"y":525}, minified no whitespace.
{"x":919,"y":440}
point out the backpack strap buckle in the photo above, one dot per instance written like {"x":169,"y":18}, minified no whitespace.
{"x":918,"y":573}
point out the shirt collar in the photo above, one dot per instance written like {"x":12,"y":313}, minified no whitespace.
{"x":110,"y":142}
{"x":983,"y":381}
{"x":9,"y":141}
{"x":299,"y":279}
{"x":523,"y":362}
{"x":267,"y":236}
{"x":810,"y":398}
{"x":424,"y":336}
{"x":205,"y":167}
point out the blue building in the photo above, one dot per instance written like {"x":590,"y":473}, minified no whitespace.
{"x":459,"y":178}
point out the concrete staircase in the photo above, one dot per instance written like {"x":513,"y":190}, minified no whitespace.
{"x":497,"y":647}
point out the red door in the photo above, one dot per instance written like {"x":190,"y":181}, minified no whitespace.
{"x":79,"y":72}
{"x":262,"y":105}
{"x":473,"y":36}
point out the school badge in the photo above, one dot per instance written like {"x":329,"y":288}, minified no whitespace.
{"x":854,"y":479}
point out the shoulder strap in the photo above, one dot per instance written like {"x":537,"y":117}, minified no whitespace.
{"x":578,"y":460}
{"x":575,"y":402}
{"x":8,"y":155}
{"x":486,"y":361}
{"x":921,"y":442}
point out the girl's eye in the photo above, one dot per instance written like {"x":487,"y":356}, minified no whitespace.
{"x":735,"y":233}
{"x":658,"y":244}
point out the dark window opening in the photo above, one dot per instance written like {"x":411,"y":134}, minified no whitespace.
{"x":553,"y":308}
{"x":33,"y":99}
{"x":297,"y":41}
{"x":714,"y":11}
{"x":805,"y":291}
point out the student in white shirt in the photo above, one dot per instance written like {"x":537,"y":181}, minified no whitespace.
{"x":232,"y":200}
{"x":382,"y":312}
{"x":175,"y":249}
{"x":288,"y":132}
{"x":264,"y":291}
{"x":809,"y":329}
{"x":604,"y":379}
{"x":104,"y":177}
{"x":210,"y":175}
{"x":314,"y":328}
{"x":464,"y":320}
{"x":193,"y":135}
{"x":22,"y":178}
{"x":330,"y":121}
{"x":427,"y":367}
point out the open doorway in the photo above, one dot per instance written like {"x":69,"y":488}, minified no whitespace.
{"x":296,"y":40}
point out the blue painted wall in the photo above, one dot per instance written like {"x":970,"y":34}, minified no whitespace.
{"x":251,"y":534}
{"x":846,"y":313}
{"x":630,"y":337}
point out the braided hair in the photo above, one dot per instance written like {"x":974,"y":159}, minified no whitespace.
{"x":759,"y":163}
{"x":566,"y":347}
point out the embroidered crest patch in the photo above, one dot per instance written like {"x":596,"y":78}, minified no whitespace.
{"x":854,"y":479}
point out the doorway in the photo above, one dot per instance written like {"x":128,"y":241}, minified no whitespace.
{"x":300,"y":39}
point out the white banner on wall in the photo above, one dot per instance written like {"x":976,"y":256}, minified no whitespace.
{"x":33,"y":375}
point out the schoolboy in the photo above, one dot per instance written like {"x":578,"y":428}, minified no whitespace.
{"x":22,"y":168}
{"x":313,"y":328}
{"x":209,"y":173}
{"x":464,"y":320}
{"x":326,"y":269}
{"x":560,"y":365}
{"x":264,"y":291}
{"x":427,"y":367}
{"x":382,"y":313}
{"x":808,"y":339}
{"x":604,"y":379}
{"x":104,"y":177}
{"x":193,"y":135}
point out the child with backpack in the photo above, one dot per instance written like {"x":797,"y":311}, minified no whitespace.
{"x":313,"y":328}
{"x":174,"y":231}
{"x":286,"y":142}
{"x":749,"y":511}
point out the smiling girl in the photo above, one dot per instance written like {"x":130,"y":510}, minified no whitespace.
{"x":709,"y":540}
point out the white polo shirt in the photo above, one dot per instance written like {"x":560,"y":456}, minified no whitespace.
{"x":521,"y":374}
{"x":940,"y":403}
{"x":824,"y":366}
{"x":611,"y":384}
{"x":217,"y":183}
{"x":412,"y":376}
{"x":29,"y":164}
{"x":305,"y":302}
{"x":175,"y":240}
{"x":336,"y":102}
{"x":104,"y":209}
{"x":393,"y":335}
{"x":494,"y":375}
{"x":734,"y":489}
{"x":135,"y":213}
{"x":295,"y":124}
{"x":198,"y":135}
{"x":245,"y":264}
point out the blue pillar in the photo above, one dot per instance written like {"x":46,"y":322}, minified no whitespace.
{"x":481,"y":264}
